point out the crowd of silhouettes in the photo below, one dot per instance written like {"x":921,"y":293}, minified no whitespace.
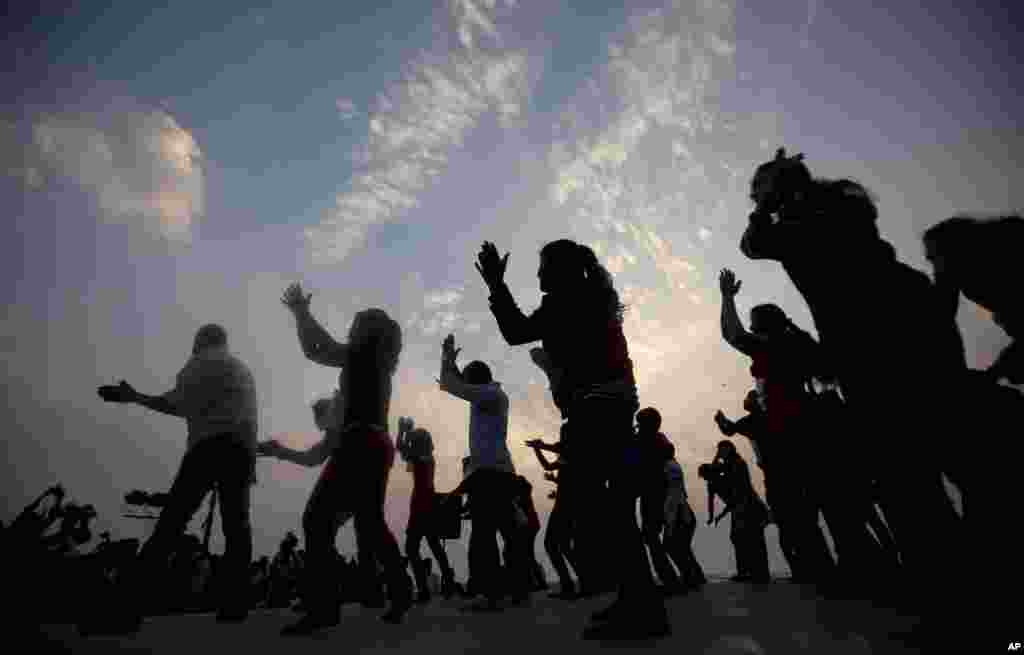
{"x":848,"y":429}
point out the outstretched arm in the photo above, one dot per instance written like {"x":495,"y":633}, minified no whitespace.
{"x":317,"y":344}
{"x":315,"y":455}
{"x":165,"y":404}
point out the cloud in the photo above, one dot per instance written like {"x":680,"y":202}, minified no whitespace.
{"x":418,"y":121}
{"x":442,"y":298}
{"x":140,"y":166}
{"x":19,"y":161}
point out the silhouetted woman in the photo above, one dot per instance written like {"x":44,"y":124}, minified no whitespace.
{"x":784,"y":358}
{"x":355,"y":476}
{"x":881,"y":325}
{"x":416,"y":447}
{"x":579,"y":323}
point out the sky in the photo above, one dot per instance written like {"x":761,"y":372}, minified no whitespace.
{"x":166,"y":167}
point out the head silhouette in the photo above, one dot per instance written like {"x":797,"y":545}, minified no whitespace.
{"x":784,"y":186}
{"x":779,"y":182}
{"x":768,"y":319}
{"x":373,"y":331}
{"x":476,"y":372}
{"x":726,"y":449}
{"x":960,"y":243}
{"x":209,"y":336}
{"x":568,"y":267}
{"x":648,"y":420}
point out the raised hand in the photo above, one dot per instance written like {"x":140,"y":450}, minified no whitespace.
{"x":448,"y":350}
{"x":728,"y":283}
{"x":490,"y":265}
{"x":294,"y":298}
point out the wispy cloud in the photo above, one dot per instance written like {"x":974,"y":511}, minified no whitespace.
{"x":805,"y":31}
{"x":419,"y":120}
{"x":140,"y":166}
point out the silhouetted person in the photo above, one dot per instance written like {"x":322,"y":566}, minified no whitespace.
{"x":680,"y":526}
{"x":729,"y":478}
{"x":524,"y":500}
{"x":216,"y":396}
{"x":979,"y":258}
{"x":355,"y":477}
{"x":579,"y":323}
{"x":881,"y":324}
{"x":656,"y":452}
{"x":490,"y":477}
{"x":784,"y":358}
{"x":416,"y":447}
{"x":558,"y":536}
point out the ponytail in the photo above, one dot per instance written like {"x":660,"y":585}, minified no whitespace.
{"x":600,"y":280}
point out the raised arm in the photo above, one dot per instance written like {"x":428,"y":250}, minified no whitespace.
{"x":317,"y":344}
{"x":516,"y":327}
{"x":452,"y":382}
{"x":732,"y":327}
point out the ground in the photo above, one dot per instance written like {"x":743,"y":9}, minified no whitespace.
{"x":723,"y":617}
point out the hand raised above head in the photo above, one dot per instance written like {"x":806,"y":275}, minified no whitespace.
{"x":294,"y":298}
{"x":728,"y":283}
{"x":490,"y":265}
{"x":448,"y":349}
